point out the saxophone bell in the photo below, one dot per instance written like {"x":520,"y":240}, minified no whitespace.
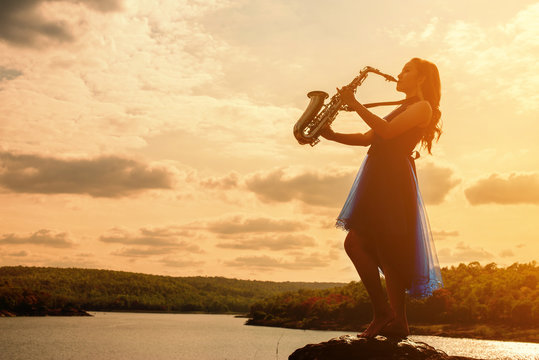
{"x":302,"y":128}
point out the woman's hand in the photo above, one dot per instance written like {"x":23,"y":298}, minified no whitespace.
{"x":347,"y":96}
{"x":327,"y":133}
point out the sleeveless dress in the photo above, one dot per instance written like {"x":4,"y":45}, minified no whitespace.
{"x":385,"y":207}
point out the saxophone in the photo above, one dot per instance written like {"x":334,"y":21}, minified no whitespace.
{"x":307,"y":129}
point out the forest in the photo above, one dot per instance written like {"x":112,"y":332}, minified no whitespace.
{"x":476,"y":301}
{"x":44,"y":290}
{"x":493,"y":299}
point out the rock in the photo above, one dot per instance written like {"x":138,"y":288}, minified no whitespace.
{"x":5,"y":313}
{"x":349,"y":347}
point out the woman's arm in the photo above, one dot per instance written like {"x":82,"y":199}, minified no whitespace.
{"x":359,"y":139}
{"x":418,"y":114}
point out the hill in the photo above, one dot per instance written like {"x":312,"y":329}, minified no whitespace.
{"x":476,"y":301}
{"x":32,"y":290}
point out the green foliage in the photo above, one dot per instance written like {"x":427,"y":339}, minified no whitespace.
{"x":472,"y":294}
{"x":25,"y":289}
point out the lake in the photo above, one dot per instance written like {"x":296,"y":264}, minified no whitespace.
{"x":133,"y":336}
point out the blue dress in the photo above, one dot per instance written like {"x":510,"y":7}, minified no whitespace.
{"x":385,"y":207}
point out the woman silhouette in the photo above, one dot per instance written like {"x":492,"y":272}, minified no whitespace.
{"x":387,"y":226}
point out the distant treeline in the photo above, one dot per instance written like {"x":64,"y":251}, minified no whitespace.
{"x":37,"y":290}
{"x":472,"y":294}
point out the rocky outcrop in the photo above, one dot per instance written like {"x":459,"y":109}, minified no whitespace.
{"x":5,"y":313}
{"x":349,"y":347}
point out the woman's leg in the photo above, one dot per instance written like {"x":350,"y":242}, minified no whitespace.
{"x":396,"y":293}
{"x":367,"y":268}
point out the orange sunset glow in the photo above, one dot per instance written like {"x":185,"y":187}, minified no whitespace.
{"x":156,"y":137}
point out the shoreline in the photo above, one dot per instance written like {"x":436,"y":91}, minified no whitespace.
{"x":45,"y":312}
{"x":495,"y":332}
{"x":81,"y":312}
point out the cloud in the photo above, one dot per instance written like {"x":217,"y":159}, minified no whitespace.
{"x":414,"y":38}
{"x":42,"y":237}
{"x":265,"y":263}
{"x":507,"y":253}
{"x":100,"y":5}
{"x":140,"y":252}
{"x":25,"y":22}
{"x":8,"y":74}
{"x":330,"y":188}
{"x":326,"y":188}
{"x":180,"y":262}
{"x":443,"y":234}
{"x":506,"y":67}
{"x":309,"y":186}
{"x":165,"y":232}
{"x":155,"y":237}
{"x":270,"y":242}
{"x":106,"y":176}
{"x":430,"y":28}
{"x":498,"y":62}
{"x":148,"y":242}
{"x":435,"y":182}
{"x":505,"y":189}
{"x":99,"y":94}
{"x":226,"y":182}
{"x":21,"y":253}
{"x":463,"y":253}
{"x":239,"y":224}
{"x":85,"y":255}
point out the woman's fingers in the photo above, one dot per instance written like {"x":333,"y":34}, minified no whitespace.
{"x":327,"y":132}
{"x":346,"y":94}
{"x":345,"y":90}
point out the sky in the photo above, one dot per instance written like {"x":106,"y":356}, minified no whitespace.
{"x":156,"y":136}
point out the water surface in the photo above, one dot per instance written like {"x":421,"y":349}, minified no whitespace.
{"x":137,"y":336}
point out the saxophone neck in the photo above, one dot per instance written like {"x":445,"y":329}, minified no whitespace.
{"x":368,"y":69}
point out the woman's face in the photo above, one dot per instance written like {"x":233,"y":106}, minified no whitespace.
{"x":408,"y":80}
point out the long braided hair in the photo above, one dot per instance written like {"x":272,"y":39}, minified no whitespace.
{"x":431,"y":90}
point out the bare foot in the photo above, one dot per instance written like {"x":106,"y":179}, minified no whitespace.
{"x":376,"y":325}
{"x":395,"y":329}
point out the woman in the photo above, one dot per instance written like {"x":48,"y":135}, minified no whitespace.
{"x":384,"y":214}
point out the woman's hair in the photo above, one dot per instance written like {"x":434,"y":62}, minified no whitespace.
{"x":431,"y":90}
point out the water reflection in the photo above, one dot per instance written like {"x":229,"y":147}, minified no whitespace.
{"x":131,"y":336}
{"x":483,"y":349}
